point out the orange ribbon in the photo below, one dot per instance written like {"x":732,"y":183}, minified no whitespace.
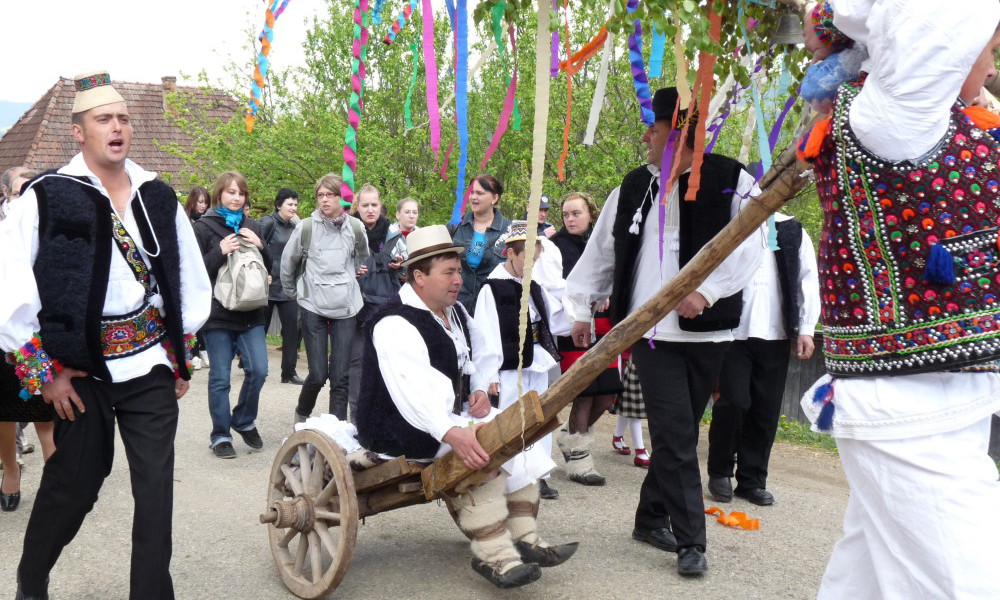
{"x":569,"y":103}
{"x":704,"y":83}
{"x":734,"y":519}
{"x":575,"y":62}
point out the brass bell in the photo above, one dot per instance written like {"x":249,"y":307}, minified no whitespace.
{"x":788,"y":31}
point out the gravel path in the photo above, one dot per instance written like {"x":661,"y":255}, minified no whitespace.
{"x":220,"y":550}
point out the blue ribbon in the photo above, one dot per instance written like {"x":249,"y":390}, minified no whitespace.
{"x":656,"y":51}
{"x":461,"y":22}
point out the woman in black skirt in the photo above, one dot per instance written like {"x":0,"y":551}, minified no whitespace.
{"x":579,"y":212}
{"x":13,"y":409}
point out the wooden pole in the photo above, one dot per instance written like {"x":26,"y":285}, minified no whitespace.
{"x":781,"y":182}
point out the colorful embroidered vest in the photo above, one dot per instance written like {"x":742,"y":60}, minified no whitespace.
{"x":882,"y":313}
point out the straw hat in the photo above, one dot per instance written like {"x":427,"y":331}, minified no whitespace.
{"x":429,"y":241}
{"x":94,"y":89}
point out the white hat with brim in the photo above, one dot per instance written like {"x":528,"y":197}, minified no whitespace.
{"x":93,"y":90}
{"x":429,"y":241}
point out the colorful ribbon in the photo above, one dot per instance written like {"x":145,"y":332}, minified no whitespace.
{"x":734,"y":519}
{"x":430,"y":71}
{"x":461,"y":104}
{"x":510,"y":108}
{"x":639,"y":79}
{"x":574,"y":63}
{"x":656,"y":52}
{"x":703,"y":85}
{"x":561,"y":164}
{"x":407,"y":114}
{"x":355,"y":106}
{"x":554,"y":50}
{"x":400,"y":21}
{"x":266,"y":37}
{"x":377,"y":12}
{"x":601,"y":87}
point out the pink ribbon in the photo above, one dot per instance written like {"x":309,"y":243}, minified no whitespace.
{"x":430,"y":68}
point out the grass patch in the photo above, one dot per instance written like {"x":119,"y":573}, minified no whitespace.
{"x":793,"y":432}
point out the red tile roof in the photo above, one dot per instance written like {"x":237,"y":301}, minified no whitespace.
{"x":41,"y":138}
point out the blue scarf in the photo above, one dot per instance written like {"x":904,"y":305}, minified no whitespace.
{"x":233,"y":217}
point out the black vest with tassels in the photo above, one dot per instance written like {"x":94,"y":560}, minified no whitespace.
{"x":74,"y":259}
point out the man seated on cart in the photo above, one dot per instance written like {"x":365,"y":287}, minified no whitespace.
{"x":418,"y":372}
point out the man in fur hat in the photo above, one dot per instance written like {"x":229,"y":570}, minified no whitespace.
{"x":628,"y":259}
{"x":104,"y":288}
{"x":421,"y":394}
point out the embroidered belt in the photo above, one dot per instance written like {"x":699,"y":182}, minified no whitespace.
{"x":130,"y":334}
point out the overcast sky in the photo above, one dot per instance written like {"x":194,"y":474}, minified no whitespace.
{"x":138,"y":40}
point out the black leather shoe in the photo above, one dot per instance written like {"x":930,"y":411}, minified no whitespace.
{"x":592,"y":478}
{"x":721,"y":488}
{"x":758,"y":496}
{"x":294,"y":379}
{"x":546,"y":492}
{"x":551,"y":556}
{"x":9,"y":502}
{"x":20,"y":595}
{"x":691,"y":562}
{"x":522,"y":574}
{"x":661,"y":538}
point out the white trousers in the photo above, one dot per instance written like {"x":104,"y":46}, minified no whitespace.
{"x":921,"y":521}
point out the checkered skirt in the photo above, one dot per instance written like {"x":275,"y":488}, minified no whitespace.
{"x":630,"y":403}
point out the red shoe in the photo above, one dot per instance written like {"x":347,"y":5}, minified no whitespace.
{"x":641,"y":458}
{"x":618,"y":443}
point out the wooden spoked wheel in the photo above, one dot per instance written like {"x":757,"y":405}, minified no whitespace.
{"x":312,"y":514}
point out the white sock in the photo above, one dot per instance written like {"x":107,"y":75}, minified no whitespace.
{"x":635,"y":426}
{"x":620,"y":428}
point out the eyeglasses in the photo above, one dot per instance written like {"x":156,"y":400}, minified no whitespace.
{"x":323,"y":195}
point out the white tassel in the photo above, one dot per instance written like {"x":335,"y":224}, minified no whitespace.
{"x":636,"y":221}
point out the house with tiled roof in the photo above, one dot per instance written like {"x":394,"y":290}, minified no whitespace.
{"x":41,"y":138}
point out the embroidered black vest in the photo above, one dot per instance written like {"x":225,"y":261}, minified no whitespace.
{"x":700,"y":221}
{"x":74,"y":259}
{"x":789,"y":234}
{"x":507,"y":294}
{"x":881,"y":314}
{"x":381,"y":427}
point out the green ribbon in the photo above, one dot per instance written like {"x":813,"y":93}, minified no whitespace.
{"x":413,"y":83}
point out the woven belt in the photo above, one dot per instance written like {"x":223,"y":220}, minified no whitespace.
{"x":130,"y":334}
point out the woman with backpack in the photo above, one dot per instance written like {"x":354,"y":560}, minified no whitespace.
{"x":320,"y":267}
{"x":236,"y":259}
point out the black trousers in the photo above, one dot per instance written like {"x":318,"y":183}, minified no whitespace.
{"x":676,"y":380}
{"x":146,"y":410}
{"x":288,"y":314}
{"x":745,"y":417}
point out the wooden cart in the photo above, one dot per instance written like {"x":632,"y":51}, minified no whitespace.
{"x":314,"y":500}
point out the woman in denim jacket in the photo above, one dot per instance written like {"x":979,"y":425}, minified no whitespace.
{"x":477,"y":233}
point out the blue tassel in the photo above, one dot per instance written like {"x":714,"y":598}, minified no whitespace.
{"x":825,"y":420}
{"x":940,"y":266}
{"x":24,"y":394}
{"x":823,"y":392}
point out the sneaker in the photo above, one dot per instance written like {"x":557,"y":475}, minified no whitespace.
{"x":196,"y":363}
{"x":224,"y":450}
{"x":204,"y":359}
{"x":252,"y":438}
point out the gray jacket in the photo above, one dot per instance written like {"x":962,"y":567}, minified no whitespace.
{"x":329,"y":286}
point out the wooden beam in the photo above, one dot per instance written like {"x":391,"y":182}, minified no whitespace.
{"x":781,"y":182}
{"x":502,"y":438}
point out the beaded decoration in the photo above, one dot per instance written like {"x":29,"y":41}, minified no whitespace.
{"x":130,"y":250}
{"x":33,"y":366}
{"x":92,"y":81}
{"x":190,"y":341}
{"x":882,"y":313}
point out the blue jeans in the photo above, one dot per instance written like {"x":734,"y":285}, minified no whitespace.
{"x":328,"y":352}
{"x":222,"y":345}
